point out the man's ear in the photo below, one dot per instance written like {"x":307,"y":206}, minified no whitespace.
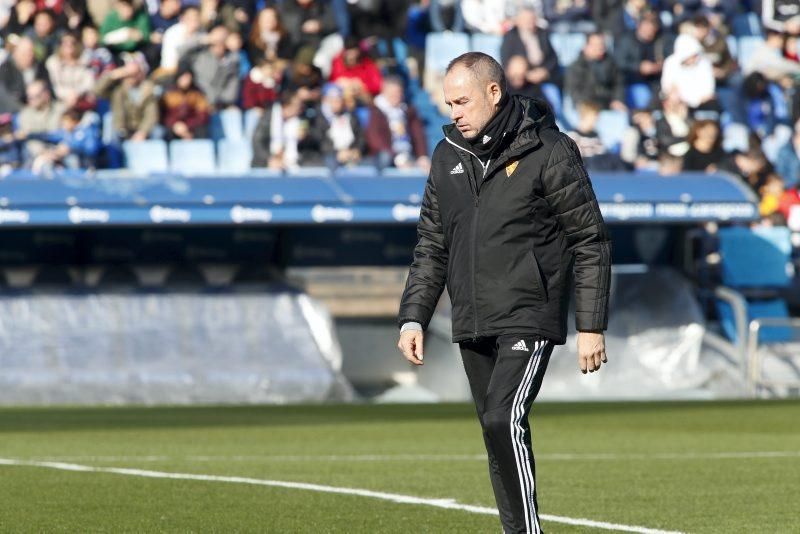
{"x":494,"y":93}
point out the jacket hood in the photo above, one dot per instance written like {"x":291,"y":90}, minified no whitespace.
{"x":536,"y":115}
{"x":685,"y":47}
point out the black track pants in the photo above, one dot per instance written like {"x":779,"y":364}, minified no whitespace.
{"x":505,"y":374}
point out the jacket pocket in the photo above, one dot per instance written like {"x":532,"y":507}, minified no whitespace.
{"x":539,"y":287}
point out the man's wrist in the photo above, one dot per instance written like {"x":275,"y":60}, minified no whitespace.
{"x":411,"y":325}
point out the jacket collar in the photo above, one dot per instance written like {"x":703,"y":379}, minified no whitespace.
{"x":536,"y":117}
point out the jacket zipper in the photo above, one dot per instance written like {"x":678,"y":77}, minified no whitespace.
{"x":474,"y":250}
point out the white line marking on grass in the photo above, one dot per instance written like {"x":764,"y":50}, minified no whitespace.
{"x":431,"y":457}
{"x":449,"y":504}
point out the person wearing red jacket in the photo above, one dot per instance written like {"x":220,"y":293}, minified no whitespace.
{"x":185,"y":109}
{"x":352,"y":66}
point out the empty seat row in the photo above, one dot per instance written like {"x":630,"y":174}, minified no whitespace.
{"x":188,"y":157}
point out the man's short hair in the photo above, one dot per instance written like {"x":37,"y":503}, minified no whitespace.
{"x":482,"y":66}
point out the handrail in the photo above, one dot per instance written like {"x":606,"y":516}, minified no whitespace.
{"x":754,"y":358}
{"x":739,"y":305}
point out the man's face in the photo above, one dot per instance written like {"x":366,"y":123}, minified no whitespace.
{"x":43,"y":24}
{"x":216,"y":41}
{"x":647,"y":30}
{"x":335,"y":102}
{"x":191,"y":20}
{"x":526,"y":20}
{"x":169,"y":8}
{"x":471,"y":102}
{"x":393,"y":93}
{"x":124,"y":10}
{"x":595,"y":48}
{"x":23,"y":54}
{"x":516,"y":70}
{"x":37,"y":95}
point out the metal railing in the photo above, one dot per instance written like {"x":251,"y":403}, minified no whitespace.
{"x":755,"y":358}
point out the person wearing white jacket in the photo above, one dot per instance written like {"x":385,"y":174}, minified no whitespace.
{"x":689,"y":73}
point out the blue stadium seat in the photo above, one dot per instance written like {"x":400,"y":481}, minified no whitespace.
{"x":440,"y":48}
{"x":145,"y":157}
{"x":251,"y":119}
{"x":553,"y":95}
{"x":611,"y":126}
{"x":733,"y":45}
{"x":194,"y":156}
{"x":231,"y":121}
{"x":747,"y":44}
{"x":487,"y":43}
{"x":756,"y":263}
{"x":746,"y":24}
{"x":735,"y":136}
{"x":638,"y":95}
{"x":567,"y":46}
{"x":234,"y":157}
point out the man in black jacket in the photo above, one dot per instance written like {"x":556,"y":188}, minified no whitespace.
{"x":508,"y":214}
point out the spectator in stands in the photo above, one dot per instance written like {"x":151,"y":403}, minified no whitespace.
{"x":715,"y":48}
{"x":71,"y":79}
{"x":216,"y":70}
{"x":236,"y":15}
{"x":395,"y":134}
{"x":595,"y":76}
{"x":640,"y":148}
{"x":134,"y":105}
{"x":282,"y":139}
{"x":308,"y":21}
{"x":44,"y":34}
{"x":168,"y":15}
{"x":179,"y":38}
{"x":751,"y":166}
{"x":705,"y":147}
{"x":669,"y":164}
{"x":41,"y":115}
{"x":767,"y":59}
{"x":446,"y":15}
{"x":304,"y":78}
{"x":641,"y":54}
{"x":20,"y":18}
{"x":788,"y":162}
{"x":74,"y":145}
{"x":689,"y":74}
{"x":526,"y":40}
{"x":771,"y":194}
{"x":20,"y":70}
{"x":517,"y":78}
{"x":268,"y":38}
{"x":485,"y":16}
{"x":97,"y":58}
{"x":569,"y":15}
{"x":10,"y":149}
{"x":185,"y":111}
{"x":72,"y":15}
{"x":596,"y":156}
{"x":378,"y":19}
{"x":262,"y":84}
{"x":782,"y":16}
{"x":341,"y":138}
{"x":672,"y":127}
{"x":354,"y":68}
{"x":126,"y":27}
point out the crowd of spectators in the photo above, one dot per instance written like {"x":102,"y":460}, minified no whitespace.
{"x":322,"y":84}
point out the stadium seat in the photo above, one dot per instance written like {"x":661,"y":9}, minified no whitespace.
{"x":488,"y":44}
{"x":756,"y":264}
{"x":772,"y":144}
{"x":317,"y":172}
{"x":747,"y":44}
{"x":234,"y":156}
{"x":441,"y":47}
{"x":735,"y":136}
{"x":251,"y":119}
{"x":567,"y":46}
{"x":733,"y":45}
{"x":638,"y":95}
{"x":611,"y":126}
{"x":231,"y":121}
{"x":145,"y":157}
{"x":194,"y":156}
{"x":553,"y":95}
{"x":746,"y":24}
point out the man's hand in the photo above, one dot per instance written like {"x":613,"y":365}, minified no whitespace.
{"x":591,"y":351}
{"x":410,"y":345}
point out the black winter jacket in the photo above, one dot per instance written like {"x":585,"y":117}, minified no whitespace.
{"x":505,"y":243}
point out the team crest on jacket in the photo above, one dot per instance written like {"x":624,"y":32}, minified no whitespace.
{"x":511,"y":167}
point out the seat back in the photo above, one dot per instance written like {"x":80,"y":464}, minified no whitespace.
{"x":488,"y":44}
{"x":235,"y":157}
{"x":194,"y":156}
{"x":145,"y":157}
{"x":441,"y":47}
{"x":567,"y":46}
{"x":758,"y":258}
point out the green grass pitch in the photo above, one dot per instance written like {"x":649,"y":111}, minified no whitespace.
{"x":722,"y":467}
